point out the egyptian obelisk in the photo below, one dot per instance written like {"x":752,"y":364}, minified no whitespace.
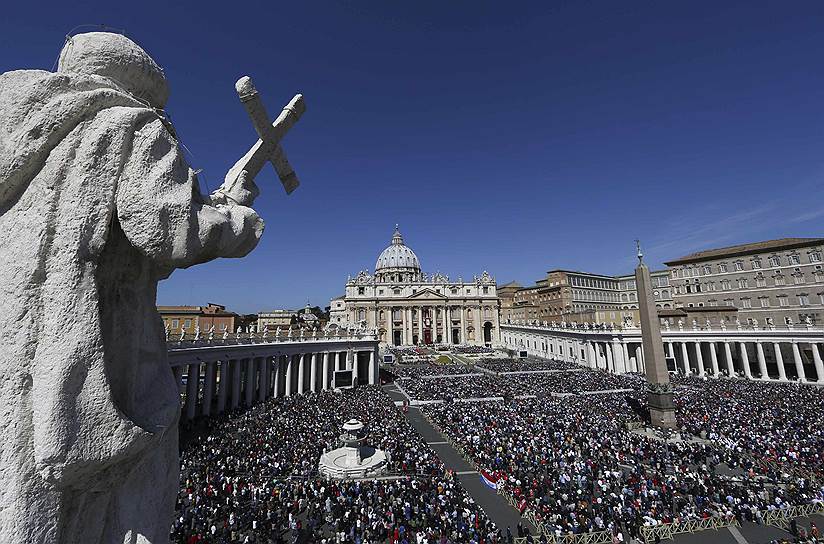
{"x":659,"y":389}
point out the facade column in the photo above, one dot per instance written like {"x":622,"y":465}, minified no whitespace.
{"x":235,"y":363}
{"x":313,"y":373}
{"x":287,"y":386}
{"x":408,"y":327}
{"x":745,"y":359}
{"x":496,"y":332}
{"x":779,"y":360}
{"x":714,"y":360}
{"x":223,"y":387}
{"x":592,"y":355}
{"x":799,"y":364}
{"x":325,"y":383}
{"x":420,"y":325}
{"x":686,"y":358}
{"x":728,"y":357}
{"x":762,"y":362}
{"x":610,"y":358}
{"x":462,"y":309}
{"x":250,"y":381}
{"x":638,"y":363}
{"x":373,"y":368}
{"x":390,"y":328}
{"x":819,"y":367}
{"x":301,"y":361}
{"x":479,"y":333}
{"x":355,"y":364}
{"x":263,"y":378}
{"x":699,"y":358}
{"x":627,"y":363}
{"x":209,"y":388}
{"x":192,"y":386}
{"x":671,"y":350}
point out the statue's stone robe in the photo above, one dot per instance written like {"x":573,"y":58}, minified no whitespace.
{"x":96,"y":205}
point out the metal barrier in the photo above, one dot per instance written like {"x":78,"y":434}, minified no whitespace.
{"x":781,"y":518}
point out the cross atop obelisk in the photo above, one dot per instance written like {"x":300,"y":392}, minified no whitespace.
{"x":659,"y":389}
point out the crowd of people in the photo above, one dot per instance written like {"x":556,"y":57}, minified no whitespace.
{"x":507,"y":364}
{"x":578,"y":467}
{"x":251,"y":477}
{"x":423,"y":370}
{"x":470,"y":349}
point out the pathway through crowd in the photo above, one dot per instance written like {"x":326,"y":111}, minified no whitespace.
{"x":494,"y":505}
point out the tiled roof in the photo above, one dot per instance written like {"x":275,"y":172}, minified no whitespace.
{"x":746,"y":249}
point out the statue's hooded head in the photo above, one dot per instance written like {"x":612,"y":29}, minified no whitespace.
{"x":118,"y":59}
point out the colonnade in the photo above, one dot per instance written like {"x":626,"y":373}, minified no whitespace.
{"x":448,"y":324}
{"x":752,"y":355}
{"x":226,"y":383}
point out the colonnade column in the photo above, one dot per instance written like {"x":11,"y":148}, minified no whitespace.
{"x":276,"y":388}
{"x":714,"y":359}
{"x":192,"y":383}
{"x":686,"y":358}
{"x":779,"y":360}
{"x":699,"y":358}
{"x":799,"y":364}
{"x":671,"y":350}
{"x":819,"y":367}
{"x":610,"y":358}
{"x":745,"y":359}
{"x":250,"y":381}
{"x":287,"y":388}
{"x":447,"y":326}
{"x":235,"y":364}
{"x":223,"y":386}
{"x":373,"y":368}
{"x":420,"y":325}
{"x":301,"y":360}
{"x":728,"y":357}
{"x":264,"y":367}
{"x":408,"y":327}
{"x":313,"y":373}
{"x":479,"y":333}
{"x":627,"y":363}
{"x":390,"y":327}
{"x":209,"y":388}
{"x":762,"y":362}
{"x":325,"y":370}
{"x":638,"y":356}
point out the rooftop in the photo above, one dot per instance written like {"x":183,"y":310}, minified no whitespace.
{"x":746,"y":249}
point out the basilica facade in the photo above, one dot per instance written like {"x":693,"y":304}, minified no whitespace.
{"x":410,"y":307}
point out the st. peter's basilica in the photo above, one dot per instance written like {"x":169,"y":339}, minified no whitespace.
{"x":410,"y":307}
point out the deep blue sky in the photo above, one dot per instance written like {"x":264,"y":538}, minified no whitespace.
{"x":501,"y":136}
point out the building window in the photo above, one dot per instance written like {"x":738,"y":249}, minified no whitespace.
{"x":794,"y":259}
{"x":707,"y":269}
{"x":361,"y":290}
{"x":756,"y":264}
{"x":821,"y":298}
{"x":775,"y":260}
{"x":467,"y":290}
{"x":739,"y":266}
{"x":175,"y":323}
{"x":380,"y":291}
{"x":722,"y":267}
{"x":396,"y":292}
{"x":486,"y":290}
{"x":725,"y":285}
{"x":746,"y":303}
{"x":454,"y":291}
{"x":782,"y":301}
{"x":760,"y":281}
{"x":803,"y":300}
{"x":765,"y":302}
{"x":815,"y":257}
{"x":187,"y":324}
{"x":743,"y":283}
{"x":361,"y":315}
{"x":729,"y":302}
{"x":713,"y":303}
{"x":798,"y":279}
{"x":779,"y":280}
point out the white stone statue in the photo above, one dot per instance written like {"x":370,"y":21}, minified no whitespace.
{"x":211,"y":332}
{"x":97,"y":204}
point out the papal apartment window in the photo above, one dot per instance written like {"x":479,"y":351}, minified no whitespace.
{"x":775,"y":260}
{"x":739,"y":266}
{"x":783,"y":301}
{"x":803,"y":300}
{"x":798,"y":279}
{"x":765,"y":302}
{"x":707,"y":269}
{"x":722,"y":267}
{"x":815,"y":257}
{"x":746,"y":303}
{"x":743,"y":283}
{"x":760,"y":281}
{"x":794,"y":259}
{"x":819,"y":275}
{"x":713,"y":303}
{"x":779,"y":281}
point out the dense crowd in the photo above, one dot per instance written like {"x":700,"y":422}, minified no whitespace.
{"x":462,"y":387}
{"x":775,"y":422}
{"x":419,"y":371}
{"x":252,"y":478}
{"x":505,"y":364}
{"x":471,"y":350}
{"x":577,"y":465}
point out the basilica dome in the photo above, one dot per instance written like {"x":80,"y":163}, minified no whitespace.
{"x":398,"y":258}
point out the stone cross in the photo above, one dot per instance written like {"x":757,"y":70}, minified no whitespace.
{"x":268,"y":149}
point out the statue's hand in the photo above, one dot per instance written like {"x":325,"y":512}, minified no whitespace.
{"x":238,"y":187}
